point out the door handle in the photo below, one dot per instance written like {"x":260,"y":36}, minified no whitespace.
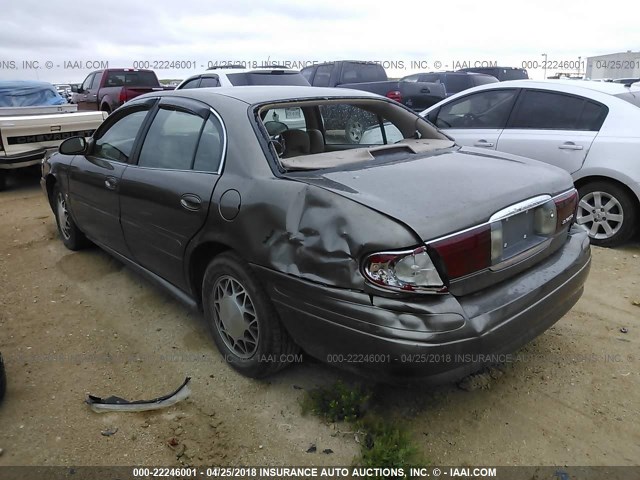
{"x":111,"y":183}
{"x":425,"y":90}
{"x":191,"y":202}
{"x":483,"y":143}
{"x":570,"y":146}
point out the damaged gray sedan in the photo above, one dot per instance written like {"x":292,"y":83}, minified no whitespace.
{"x":407,"y":256}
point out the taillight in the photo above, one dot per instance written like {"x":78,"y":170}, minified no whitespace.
{"x":122,"y":98}
{"x":408,"y":271}
{"x":566,"y":205}
{"x":395,"y":95}
{"x":511,"y":234}
{"x":466,"y":252}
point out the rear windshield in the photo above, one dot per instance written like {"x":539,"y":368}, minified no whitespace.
{"x":457,"y":83}
{"x":362,"y":72}
{"x":631,"y":97}
{"x":267,"y":78}
{"x":514,"y":74}
{"x":133,"y":79}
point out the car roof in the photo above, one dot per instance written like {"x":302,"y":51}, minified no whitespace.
{"x":269,"y":93}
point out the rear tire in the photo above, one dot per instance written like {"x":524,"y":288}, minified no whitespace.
{"x":243,"y":322}
{"x":69,"y":232}
{"x":609,"y":213}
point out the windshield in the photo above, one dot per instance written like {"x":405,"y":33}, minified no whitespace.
{"x":316,"y":134}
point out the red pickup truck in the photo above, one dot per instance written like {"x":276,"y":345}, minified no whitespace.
{"x":107,"y":89}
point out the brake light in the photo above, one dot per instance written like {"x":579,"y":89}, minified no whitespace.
{"x":466,"y":252}
{"x":566,"y":205}
{"x":395,"y":95}
{"x":512,"y":234}
{"x":122,"y":98}
{"x":408,"y":271}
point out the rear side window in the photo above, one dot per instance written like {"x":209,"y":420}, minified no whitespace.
{"x":209,"y":82}
{"x":132,"y":78}
{"x":171,"y":141}
{"x":210,"y":147}
{"x":514,"y":74}
{"x":556,"y":111}
{"x":306,"y":73}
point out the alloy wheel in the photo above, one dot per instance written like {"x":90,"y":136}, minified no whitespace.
{"x":601,"y":213}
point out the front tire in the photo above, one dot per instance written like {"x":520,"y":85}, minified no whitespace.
{"x":608,"y":212}
{"x":69,"y":232}
{"x":242,"y":320}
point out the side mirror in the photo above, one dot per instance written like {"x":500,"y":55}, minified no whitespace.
{"x":73,"y":146}
{"x":74,"y":88}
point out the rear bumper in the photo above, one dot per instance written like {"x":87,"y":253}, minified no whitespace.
{"x":437,"y":338}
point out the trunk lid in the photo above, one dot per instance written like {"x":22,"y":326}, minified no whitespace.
{"x":446,"y":191}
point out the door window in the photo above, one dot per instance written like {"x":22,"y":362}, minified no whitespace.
{"x":483,"y":110}
{"x":210,"y":147}
{"x":542,"y":110}
{"x":117,"y":142}
{"x":86,"y":85}
{"x":193,"y":83}
{"x":209,"y":82}
{"x":171,"y":141}
{"x":95,"y":84}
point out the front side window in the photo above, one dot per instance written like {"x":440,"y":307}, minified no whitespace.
{"x":86,"y":85}
{"x":488,"y":109}
{"x":117,"y":142}
{"x":171,"y":141}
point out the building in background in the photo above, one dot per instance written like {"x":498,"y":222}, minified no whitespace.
{"x":614,"y":65}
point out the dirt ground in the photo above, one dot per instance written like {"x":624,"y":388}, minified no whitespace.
{"x":73,"y":323}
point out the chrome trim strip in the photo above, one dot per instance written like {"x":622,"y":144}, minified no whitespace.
{"x":490,"y":221}
{"x":224,"y":140}
{"x":520,"y":207}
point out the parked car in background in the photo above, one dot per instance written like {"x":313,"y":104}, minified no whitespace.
{"x":229,"y":76}
{"x":590,"y":129}
{"x":501,"y":73}
{"x":626,"y":81}
{"x":64,"y":90}
{"x":369,"y":77}
{"x":280,"y":119}
{"x":34,"y":119}
{"x":389,"y":252}
{"x":106,"y":90}
{"x":454,"y":82}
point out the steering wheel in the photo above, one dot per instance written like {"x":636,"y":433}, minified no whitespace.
{"x":275,"y":128}
{"x":279,"y":144}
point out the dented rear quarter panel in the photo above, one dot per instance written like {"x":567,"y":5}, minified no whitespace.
{"x":288,"y":225}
